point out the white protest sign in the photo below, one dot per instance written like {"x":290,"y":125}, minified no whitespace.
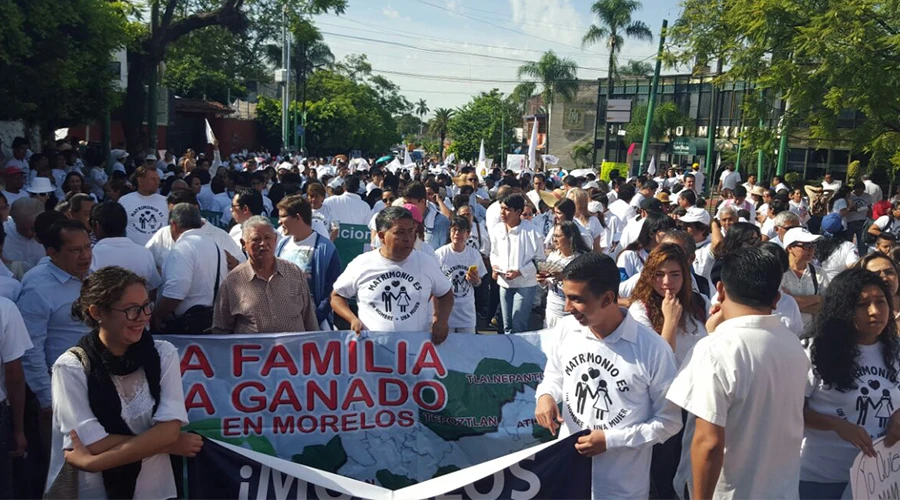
{"x":876,"y":477}
{"x":516,"y":163}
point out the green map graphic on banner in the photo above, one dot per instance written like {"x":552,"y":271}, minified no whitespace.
{"x":352,"y":240}
{"x":389,"y":408}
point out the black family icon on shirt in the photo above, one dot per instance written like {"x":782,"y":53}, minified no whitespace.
{"x":591,"y":405}
{"x":457,"y":277}
{"x":873,"y":401}
{"x":396,"y":295}
{"x":146,"y":219}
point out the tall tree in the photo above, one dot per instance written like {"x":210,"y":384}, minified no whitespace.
{"x":615,"y":23}
{"x":635,"y":68}
{"x":55,"y":60}
{"x":558,"y":77}
{"x":422,"y":108}
{"x":666,"y":117}
{"x":522,"y":93}
{"x":172,"y":19}
{"x":439,"y":124}
{"x":488,"y":117}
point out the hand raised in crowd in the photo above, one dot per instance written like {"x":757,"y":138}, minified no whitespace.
{"x":856,"y":435}
{"x":188,"y":445}
{"x":547,"y":414}
{"x":439,"y":332}
{"x":671,"y":307}
{"x":591,"y":444}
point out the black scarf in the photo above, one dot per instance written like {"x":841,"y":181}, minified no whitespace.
{"x":104,"y":399}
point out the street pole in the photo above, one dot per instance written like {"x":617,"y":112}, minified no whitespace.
{"x":502,"y":137}
{"x":761,"y":155}
{"x":713,"y":125}
{"x":596,"y":125}
{"x":783,"y":143}
{"x":285,"y":65}
{"x":737,"y":165}
{"x":152,"y":90}
{"x":651,"y":103}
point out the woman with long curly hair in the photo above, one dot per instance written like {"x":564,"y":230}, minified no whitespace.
{"x":665,"y":301}
{"x":569,"y":244}
{"x":852,"y":389}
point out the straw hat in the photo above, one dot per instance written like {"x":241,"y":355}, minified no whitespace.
{"x":549,"y":198}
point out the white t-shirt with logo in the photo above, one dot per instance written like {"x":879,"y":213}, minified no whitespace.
{"x":146,"y":215}
{"x":825,"y":457}
{"x":393,"y":296}
{"x":300,"y":253}
{"x":455,"y":265}
{"x":617,"y":384}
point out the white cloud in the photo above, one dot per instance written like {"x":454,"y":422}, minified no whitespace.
{"x":390,"y":12}
{"x":552,"y":19}
{"x":453,"y":5}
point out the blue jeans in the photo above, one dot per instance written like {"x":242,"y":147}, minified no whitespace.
{"x":516,"y":305}
{"x":810,"y":490}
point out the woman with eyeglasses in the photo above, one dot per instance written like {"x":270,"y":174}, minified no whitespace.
{"x":804,"y":281}
{"x":569,"y":244}
{"x":852,"y":388}
{"x":884,"y":266}
{"x":118,"y":403}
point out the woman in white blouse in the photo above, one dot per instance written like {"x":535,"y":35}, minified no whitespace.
{"x":569,"y":244}
{"x":118,"y":403}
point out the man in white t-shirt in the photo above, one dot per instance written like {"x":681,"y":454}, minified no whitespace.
{"x":247,"y":202}
{"x":830,"y":184}
{"x":147,"y":210}
{"x":395,"y":283}
{"x":699,"y":177}
{"x":109,"y":224}
{"x":744,"y":387}
{"x":14,"y":182}
{"x":348,"y":208}
{"x":464,"y":267}
{"x":872,"y":189}
{"x":611,"y":375}
{"x":729,"y":178}
{"x":14,"y":341}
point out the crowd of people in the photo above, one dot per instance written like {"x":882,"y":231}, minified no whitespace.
{"x":745,"y":305}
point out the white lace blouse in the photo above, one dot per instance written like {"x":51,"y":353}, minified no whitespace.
{"x":71,"y":411}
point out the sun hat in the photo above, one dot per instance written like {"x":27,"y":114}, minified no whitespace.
{"x":40,"y":185}
{"x":696,"y":214}
{"x":799,"y":235}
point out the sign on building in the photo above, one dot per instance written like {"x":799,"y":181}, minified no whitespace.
{"x":618,"y":111}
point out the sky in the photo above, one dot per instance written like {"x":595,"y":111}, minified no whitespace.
{"x":456,"y":34}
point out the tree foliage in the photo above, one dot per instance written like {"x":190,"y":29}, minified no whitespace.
{"x":666,"y":116}
{"x":438,"y":126}
{"x":557,"y":75}
{"x":635,"y":68}
{"x":486,"y":116}
{"x":824,"y":58}
{"x":55,"y":59}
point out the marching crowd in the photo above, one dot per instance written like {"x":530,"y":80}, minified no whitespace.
{"x":765,"y":312}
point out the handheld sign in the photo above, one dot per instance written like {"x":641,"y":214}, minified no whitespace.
{"x":352,"y":241}
{"x":879,"y":476}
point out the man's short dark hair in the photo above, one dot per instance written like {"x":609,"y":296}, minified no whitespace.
{"x":112,"y":219}
{"x":651,"y":185}
{"x":252,"y":199}
{"x":385,"y":219}
{"x":351,"y":184}
{"x":296,"y":205}
{"x":570,"y":180}
{"x":459,"y":201}
{"x":626,"y":192}
{"x":689,"y":175}
{"x":514,"y":201}
{"x":752,"y":276}
{"x":539,"y":176}
{"x":415,"y":191}
{"x":203,"y":175}
{"x":740,"y":191}
{"x":689,"y":195}
{"x":461,"y":223}
{"x":887,"y":237}
{"x":53,"y":237}
{"x":182,"y":196}
{"x":598,"y":270}
{"x":44,"y":221}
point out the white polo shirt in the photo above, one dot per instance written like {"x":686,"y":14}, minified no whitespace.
{"x":347,"y":208}
{"x":14,"y":339}
{"x":749,"y":377}
{"x":189,"y":271}
{"x":125,"y":253}
{"x":617,"y":384}
{"x":162,"y":242}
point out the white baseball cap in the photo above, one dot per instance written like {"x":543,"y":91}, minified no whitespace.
{"x":696,"y":214}
{"x":799,"y":235}
{"x":595,"y":207}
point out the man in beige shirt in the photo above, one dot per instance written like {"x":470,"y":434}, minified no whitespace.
{"x":265,"y":294}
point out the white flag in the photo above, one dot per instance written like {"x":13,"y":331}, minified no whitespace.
{"x":393,"y":166}
{"x":407,"y":159}
{"x":652,"y":168}
{"x":532,"y":147}
{"x":481,"y":155}
{"x":550,"y":159}
{"x":450,"y":158}
{"x":210,"y":136}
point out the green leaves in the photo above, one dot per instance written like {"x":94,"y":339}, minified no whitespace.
{"x":487,"y":116}
{"x":557,"y":75}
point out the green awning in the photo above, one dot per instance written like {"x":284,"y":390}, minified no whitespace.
{"x":689,"y":146}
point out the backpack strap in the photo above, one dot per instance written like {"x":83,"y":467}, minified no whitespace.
{"x":815,"y":279}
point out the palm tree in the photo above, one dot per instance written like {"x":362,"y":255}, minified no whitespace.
{"x":558,"y":76}
{"x":635,"y":68}
{"x":422,"y":108}
{"x":522,"y":93}
{"x":615,"y":20}
{"x":438,"y":125}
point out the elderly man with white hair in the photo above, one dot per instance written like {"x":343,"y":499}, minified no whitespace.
{"x":20,"y":243}
{"x":265,"y":294}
